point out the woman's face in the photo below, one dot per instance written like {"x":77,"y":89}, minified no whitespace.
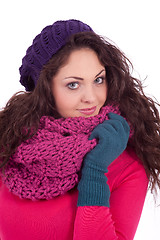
{"x":80,"y":87}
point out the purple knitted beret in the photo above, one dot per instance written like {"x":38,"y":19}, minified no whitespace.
{"x":44,"y":46}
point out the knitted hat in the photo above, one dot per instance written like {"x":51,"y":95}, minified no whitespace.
{"x":44,"y":46}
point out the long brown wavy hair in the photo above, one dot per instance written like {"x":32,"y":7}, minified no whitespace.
{"x":19,"y":119}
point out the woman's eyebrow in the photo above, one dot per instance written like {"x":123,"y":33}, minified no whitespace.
{"x":100,"y":73}
{"x":79,"y":78}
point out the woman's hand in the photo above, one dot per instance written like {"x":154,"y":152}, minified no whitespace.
{"x":112,"y":135}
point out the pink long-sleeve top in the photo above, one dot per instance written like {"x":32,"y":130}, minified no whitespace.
{"x":61,"y":219}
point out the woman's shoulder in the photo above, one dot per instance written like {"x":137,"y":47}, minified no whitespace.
{"x":126,"y":168}
{"x":127,"y":159}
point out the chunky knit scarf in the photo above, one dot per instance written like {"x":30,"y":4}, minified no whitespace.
{"x":48,"y":164}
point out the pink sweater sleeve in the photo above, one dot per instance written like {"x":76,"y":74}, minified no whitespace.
{"x":128,"y":190}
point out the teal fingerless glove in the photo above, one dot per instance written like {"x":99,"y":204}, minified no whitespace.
{"x":112,"y":135}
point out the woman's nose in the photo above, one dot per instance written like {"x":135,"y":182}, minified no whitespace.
{"x":88,"y":95}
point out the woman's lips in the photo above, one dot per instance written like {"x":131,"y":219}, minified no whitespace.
{"x":88,"y":111}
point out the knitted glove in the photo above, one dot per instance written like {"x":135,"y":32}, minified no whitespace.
{"x":113,"y":136}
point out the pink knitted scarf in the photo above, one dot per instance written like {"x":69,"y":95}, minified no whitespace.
{"x":48,"y":164}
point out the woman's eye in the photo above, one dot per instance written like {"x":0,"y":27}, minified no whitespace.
{"x":73,"y":85}
{"x":99,"y":80}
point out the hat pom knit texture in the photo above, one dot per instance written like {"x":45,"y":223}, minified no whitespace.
{"x":48,"y":164}
{"x":44,"y":46}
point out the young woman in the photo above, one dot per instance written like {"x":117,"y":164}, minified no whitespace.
{"x":80,"y":145}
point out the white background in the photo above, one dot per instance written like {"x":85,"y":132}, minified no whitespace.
{"x":132,"y":25}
